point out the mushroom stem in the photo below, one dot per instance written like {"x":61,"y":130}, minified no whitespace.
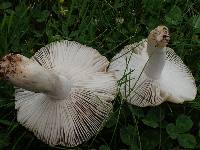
{"x":157,"y":42}
{"x":30,"y":75}
{"x":155,"y":63}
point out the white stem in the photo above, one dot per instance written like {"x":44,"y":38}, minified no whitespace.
{"x":28,"y":74}
{"x":156,"y":62}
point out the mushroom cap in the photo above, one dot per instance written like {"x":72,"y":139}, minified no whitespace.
{"x":135,"y":86}
{"x":176,"y":83}
{"x":78,"y":117}
{"x":177,"y":80}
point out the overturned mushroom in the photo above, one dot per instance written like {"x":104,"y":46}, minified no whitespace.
{"x":152,"y":73}
{"x":64,"y":93}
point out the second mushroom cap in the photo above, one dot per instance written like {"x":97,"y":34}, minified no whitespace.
{"x":151,"y":73}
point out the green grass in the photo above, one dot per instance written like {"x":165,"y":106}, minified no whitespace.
{"x":28,"y":25}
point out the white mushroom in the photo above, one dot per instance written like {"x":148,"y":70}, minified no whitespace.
{"x":64,"y":93}
{"x":152,"y":72}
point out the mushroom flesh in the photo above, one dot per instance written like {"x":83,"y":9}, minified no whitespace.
{"x":64,"y":93}
{"x":150,"y":73}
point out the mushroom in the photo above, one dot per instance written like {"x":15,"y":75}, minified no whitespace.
{"x":150,"y":73}
{"x":64,"y":93}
